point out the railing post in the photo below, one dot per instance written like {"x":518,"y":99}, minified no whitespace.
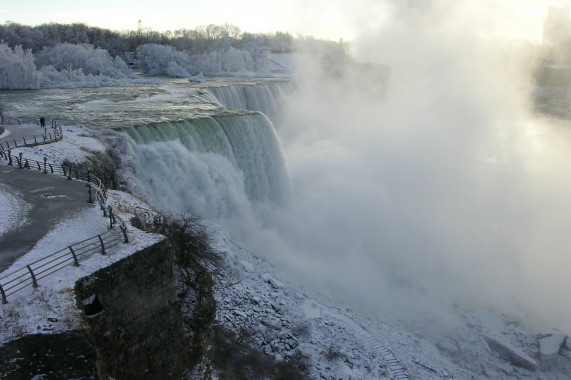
{"x":89,"y":190}
{"x":4,"y":299}
{"x":110,"y":208}
{"x":102,"y":245}
{"x":10,"y":158}
{"x":51,"y":168}
{"x":35,"y":141}
{"x":24,"y":137}
{"x":124,"y":230}
{"x":15,"y":143}
{"x":69,"y":173}
{"x":75,"y":261}
{"x":88,"y":177}
{"x":34,"y":281}
{"x":45,"y":165}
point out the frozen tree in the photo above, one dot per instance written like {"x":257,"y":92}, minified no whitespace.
{"x":157,"y":59}
{"x":228,"y":61}
{"x":17,"y":68}
{"x":91,"y":60}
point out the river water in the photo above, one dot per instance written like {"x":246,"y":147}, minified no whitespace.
{"x":120,"y":107}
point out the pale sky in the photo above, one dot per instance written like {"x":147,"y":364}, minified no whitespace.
{"x":331,"y":19}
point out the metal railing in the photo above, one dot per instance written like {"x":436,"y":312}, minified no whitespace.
{"x":75,"y":253}
{"x":49,"y":135}
{"x":96,"y":188}
{"x":71,"y":255}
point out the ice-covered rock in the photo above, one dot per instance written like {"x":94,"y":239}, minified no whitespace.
{"x":549,"y":349}
{"x":509,"y":353}
{"x":247,"y":265}
{"x":197,"y":78}
{"x":276,"y":284}
{"x":272,"y":322}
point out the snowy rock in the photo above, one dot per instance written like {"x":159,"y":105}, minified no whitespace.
{"x":247,"y":265}
{"x":509,"y":353}
{"x":276,"y":284}
{"x":240,"y":313}
{"x":549,"y":349}
{"x":272,"y":322}
{"x":197,"y":78}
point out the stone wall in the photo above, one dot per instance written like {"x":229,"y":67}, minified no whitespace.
{"x":134,"y":321}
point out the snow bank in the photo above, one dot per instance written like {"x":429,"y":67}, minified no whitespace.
{"x":14,"y":211}
{"x":286,"y":321}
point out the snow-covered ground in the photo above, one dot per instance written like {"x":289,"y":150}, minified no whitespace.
{"x":51,"y":307}
{"x":77,"y":144}
{"x":13,"y":209}
{"x":342,"y":344}
{"x":284,"y":319}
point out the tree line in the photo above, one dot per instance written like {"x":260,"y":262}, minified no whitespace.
{"x":203,"y":39}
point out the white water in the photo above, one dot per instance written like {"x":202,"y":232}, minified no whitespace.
{"x":265,"y":98}
{"x":220,"y":168}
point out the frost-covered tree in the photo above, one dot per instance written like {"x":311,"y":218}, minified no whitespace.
{"x":156,"y":59}
{"x":17,"y":68}
{"x":90,"y":60}
{"x":229,"y":61}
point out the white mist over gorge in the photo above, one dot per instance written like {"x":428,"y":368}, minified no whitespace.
{"x":446,"y":192}
{"x":406,"y":177}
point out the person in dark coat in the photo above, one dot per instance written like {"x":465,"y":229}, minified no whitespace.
{"x":42,"y":122}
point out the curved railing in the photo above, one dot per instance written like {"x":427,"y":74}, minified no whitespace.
{"x":49,"y":135}
{"x":75,"y":253}
{"x":69,"y":171}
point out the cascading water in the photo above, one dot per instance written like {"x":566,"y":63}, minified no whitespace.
{"x":215,"y":167}
{"x":262,"y":97}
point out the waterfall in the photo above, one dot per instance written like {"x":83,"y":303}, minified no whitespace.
{"x":212,"y":166}
{"x":262,"y":97}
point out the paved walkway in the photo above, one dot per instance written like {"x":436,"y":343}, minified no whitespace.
{"x":17,"y":131}
{"x":52,"y":198}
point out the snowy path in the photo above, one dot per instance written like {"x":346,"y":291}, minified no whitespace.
{"x":395,"y":370}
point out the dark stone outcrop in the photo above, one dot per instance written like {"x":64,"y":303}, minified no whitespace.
{"x":133,"y":317}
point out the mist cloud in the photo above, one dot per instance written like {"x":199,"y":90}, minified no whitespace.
{"x":446,"y":191}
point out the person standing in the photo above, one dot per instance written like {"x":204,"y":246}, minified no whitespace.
{"x":42,"y":122}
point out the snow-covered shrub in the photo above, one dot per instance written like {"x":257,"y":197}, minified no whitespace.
{"x":227,"y":61}
{"x":156,"y":59}
{"x":17,"y":68}
{"x":91,"y":60}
